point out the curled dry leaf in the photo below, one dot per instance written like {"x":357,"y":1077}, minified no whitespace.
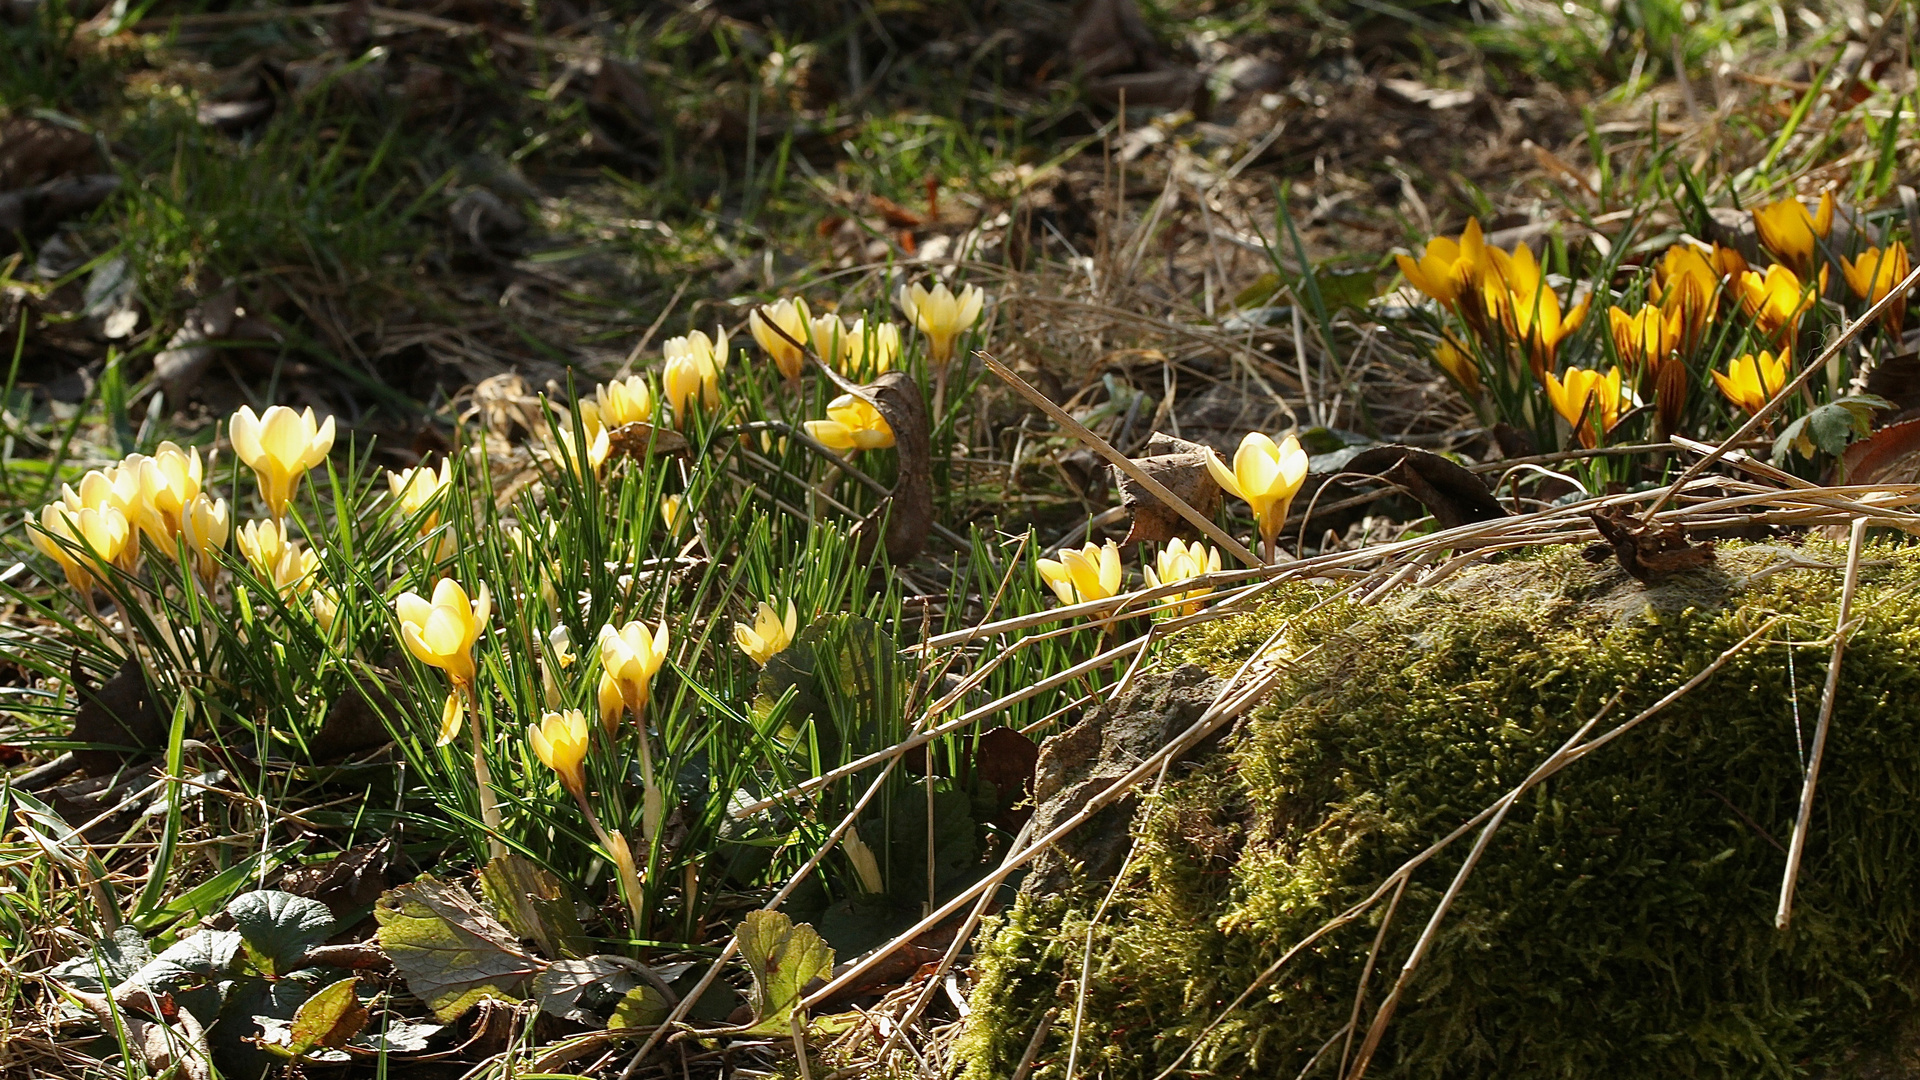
{"x":179,"y":366}
{"x":119,"y":715}
{"x":1450,"y":493}
{"x":1650,"y":552}
{"x":1182,"y":467}
{"x":908,"y":511}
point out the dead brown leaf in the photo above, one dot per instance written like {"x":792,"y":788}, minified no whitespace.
{"x":1182,"y":467}
{"x":1649,"y":551}
{"x":118,"y":715}
{"x":1450,"y":493}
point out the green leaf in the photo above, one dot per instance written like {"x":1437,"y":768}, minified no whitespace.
{"x":117,"y":958}
{"x":450,"y":951}
{"x":278,"y":928}
{"x":534,"y":904}
{"x":1263,"y":289}
{"x":643,"y":1006}
{"x":329,"y":1018}
{"x":585,"y":991}
{"x":785,"y":961}
{"x":1830,"y":427}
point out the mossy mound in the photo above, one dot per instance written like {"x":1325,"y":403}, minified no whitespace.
{"x":1620,"y":923}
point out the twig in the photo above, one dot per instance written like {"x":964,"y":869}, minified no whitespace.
{"x":1122,"y":462}
{"x":1040,"y":1030}
{"x":1797,"y":843}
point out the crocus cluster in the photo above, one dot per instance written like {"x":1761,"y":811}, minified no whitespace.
{"x":1698,"y":309}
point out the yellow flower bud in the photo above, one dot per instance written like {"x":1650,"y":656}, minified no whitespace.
{"x":206,"y":525}
{"x":413,"y":489}
{"x":791,"y":316}
{"x":692,"y":374}
{"x":560,"y":740}
{"x":622,"y":402}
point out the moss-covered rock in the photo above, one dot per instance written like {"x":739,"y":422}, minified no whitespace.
{"x":1620,"y":923}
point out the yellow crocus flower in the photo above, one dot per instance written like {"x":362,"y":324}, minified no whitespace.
{"x":692,"y":373}
{"x":611,"y":702}
{"x":621,"y":402}
{"x":599,"y":446}
{"x":1448,"y":268}
{"x":769,"y":634}
{"x":671,"y":512}
{"x":1686,"y":284}
{"x":1776,"y":300}
{"x":279,"y":445}
{"x":852,"y":424}
{"x":1091,"y":573}
{"x":169,"y":481}
{"x":1180,"y":561}
{"x":292,"y":574}
{"x":1516,"y":289}
{"x":261,"y":543}
{"x":1266,"y":475}
{"x":1874,"y":274}
{"x":206,"y":525}
{"x":1752,"y":381}
{"x":102,"y":534}
{"x":324,"y":602}
{"x":829,"y":336}
{"x":791,"y":316}
{"x":560,"y":741}
{"x":866,"y":351}
{"x":441,"y":632}
{"x":1591,"y":402}
{"x":414,"y":488}
{"x":1453,"y":358}
{"x":940,"y":314}
{"x":1791,"y":233}
{"x":1646,"y":339}
{"x":632,"y":655}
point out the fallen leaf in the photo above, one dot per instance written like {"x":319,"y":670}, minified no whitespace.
{"x":1182,"y":467}
{"x":327,"y":1019}
{"x":908,"y":510}
{"x":37,"y":211}
{"x":34,"y":151}
{"x":1890,"y":456}
{"x":1450,"y":493}
{"x":189,"y":351}
{"x":351,"y":881}
{"x":450,"y":951}
{"x":1007,"y":759}
{"x":586,"y":991}
{"x":118,"y":716}
{"x":639,"y":440}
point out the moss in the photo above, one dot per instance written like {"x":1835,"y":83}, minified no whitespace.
{"x":1621,"y":922}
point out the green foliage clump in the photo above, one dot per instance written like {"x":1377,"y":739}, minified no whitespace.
{"x":1621,"y":922}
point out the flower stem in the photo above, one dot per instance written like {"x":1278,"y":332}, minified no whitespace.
{"x":622,"y":857}
{"x":483,"y":777}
